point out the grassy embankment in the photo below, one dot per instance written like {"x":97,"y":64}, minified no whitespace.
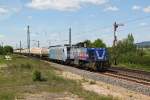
{"x":16,"y":80}
{"x":141,"y":65}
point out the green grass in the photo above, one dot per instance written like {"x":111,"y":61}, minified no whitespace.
{"x":16,"y":79}
{"x":147,"y":51}
{"x":139,"y":66}
{"x":134,"y":66}
{"x":2,"y":60}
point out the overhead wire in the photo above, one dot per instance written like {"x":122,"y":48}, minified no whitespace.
{"x":124,"y":22}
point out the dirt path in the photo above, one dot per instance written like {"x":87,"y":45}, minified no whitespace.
{"x":103,"y":88}
{"x":49,"y":96}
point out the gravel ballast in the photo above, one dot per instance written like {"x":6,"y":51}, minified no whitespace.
{"x":143,"y":89}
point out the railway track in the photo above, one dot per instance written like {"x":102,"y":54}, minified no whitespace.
{"x":128,"y":78}
{"x":136,"y":76}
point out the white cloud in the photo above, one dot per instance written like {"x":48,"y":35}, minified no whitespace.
{"x":136,"y":7}
{"x":147,"y":9}
{"x":16,"y":9}
{"x":62,"y":5}
{"x":2,"y":36}
{"x":143,"y":24}
{"x":3,"y":11}
{"x":29,"y":17}
{"x":111,"y":8}
{"x":7,"y":12}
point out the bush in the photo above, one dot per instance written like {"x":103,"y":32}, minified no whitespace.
{"x":8,"y":50}
{"x":145,"y":60}
{"x":37,"y":76}
{"x":1,"y":50}
{"x":26,"y":66}
{"x":92,"y":82}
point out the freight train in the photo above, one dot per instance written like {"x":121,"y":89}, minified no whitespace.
{"x":89,"y":58}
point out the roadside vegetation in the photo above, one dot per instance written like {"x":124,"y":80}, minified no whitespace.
{"x":6,"y":50}
{"x":24,"y":75}
{"x":129,"y":55}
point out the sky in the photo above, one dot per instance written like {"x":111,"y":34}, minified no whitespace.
{"x":50,"y":20}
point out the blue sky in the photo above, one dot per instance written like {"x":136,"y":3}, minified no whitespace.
{"x":89,"y":19}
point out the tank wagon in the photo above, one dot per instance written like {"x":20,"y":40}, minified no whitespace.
{"x":17,"y":51}
{"x":25,"y":51}
{"x":42,"y":52}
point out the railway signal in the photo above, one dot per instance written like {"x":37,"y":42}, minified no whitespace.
{"x":20,"y":46}
{"x":115,"y":30}
{"x":115,"y":41}
{"x":38,"y":43}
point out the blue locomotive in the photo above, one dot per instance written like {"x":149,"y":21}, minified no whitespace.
{"x":91,"y":58}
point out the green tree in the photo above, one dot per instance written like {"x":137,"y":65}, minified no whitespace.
{"x":125,"y":50}
{"x":8,"y":49}
{"x":130,"y":38}
{"x":126,"y":45}
{"x":98,"y":44}
{"x":1,"y":50}
{"x":86,"y":42}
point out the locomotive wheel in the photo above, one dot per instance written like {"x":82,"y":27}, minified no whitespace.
{"x":99,"y":67}
{"x":92,"y":65}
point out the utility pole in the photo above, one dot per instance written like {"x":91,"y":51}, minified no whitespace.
{"x":28,"y":38}
{"x":49,"y":42}
{"x":70,"y":36}
{"x":16,"y":46}
{"x":2,"y":44}
{"x":38,"y":43}
{"x":115,"y":41}
{"x":20,"y":46}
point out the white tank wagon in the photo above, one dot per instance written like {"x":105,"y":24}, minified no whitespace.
{"x":16,"y":50}
{"x":39,"y":51}
{"x":25,"y":51}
